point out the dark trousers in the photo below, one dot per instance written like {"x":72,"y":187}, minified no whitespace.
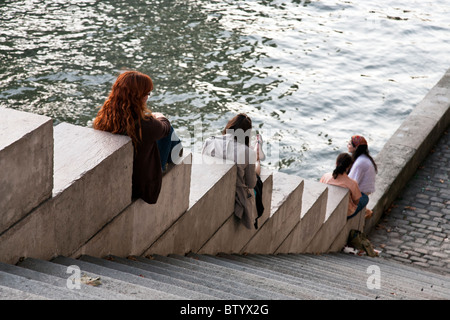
{"x":166,"y":146}
{"x":363,"y":201}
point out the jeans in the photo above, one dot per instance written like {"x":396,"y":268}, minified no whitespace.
{"x":363,"y":201}
{"x":166,"y":145}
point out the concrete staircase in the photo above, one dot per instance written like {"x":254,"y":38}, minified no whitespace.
{"x":65,"y":201}
{"x":81,"y":204}
{"x":87,"y":207}
{"x":334,"y":276}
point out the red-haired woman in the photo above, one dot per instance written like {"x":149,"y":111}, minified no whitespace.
{"x":125,"y":112}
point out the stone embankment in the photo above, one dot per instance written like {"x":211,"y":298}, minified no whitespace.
{"x":66,"y":193}
{"x":416,"y":228}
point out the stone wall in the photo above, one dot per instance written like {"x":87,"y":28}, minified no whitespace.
{"x":66,"y":190}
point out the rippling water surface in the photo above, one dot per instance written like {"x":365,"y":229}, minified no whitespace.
{"x":310,"y":74}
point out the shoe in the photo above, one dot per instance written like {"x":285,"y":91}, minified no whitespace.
{"x":258,"y":148}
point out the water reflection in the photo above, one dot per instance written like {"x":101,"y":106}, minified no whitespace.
{"x":309,"y":73}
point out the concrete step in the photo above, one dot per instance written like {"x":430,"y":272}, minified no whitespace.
{"x":155,"y":280}
{"x":353,"y":270}
{"x":217,"y":289}
{"x":348,"y":275}
{"x":180,"y":277}
{"x":141,"y":224}
{"x":307,"y":285}
{"x":314,"y":204}
{"x":263,"y":276}
{"x":335,"y":220}
{"x":131,"y":284}
{"x":7,"y":293}
{"x":233,"y":235}
{"x":344,"y":284}
{"x":41,"y":289}
{"x":51,"y":274}
{"x":211,"y":202}
{"x":285,"y":212}
{"x":25,"y":139}
{"x":92,"y":183}
{"x":244,"y":285}
{"x":334,"y":276}
{"x":420,"y":281}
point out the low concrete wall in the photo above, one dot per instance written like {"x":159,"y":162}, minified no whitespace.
{"x":405,"y":151}
{"x":90,"y":203}
{"x":26,"y":164}
{"x":135,"y":228}
{"x":92,"y":182}
{"x":286,"y":208}
{"x":221,"y":242}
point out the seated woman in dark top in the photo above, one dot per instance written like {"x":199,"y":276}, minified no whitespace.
{"x":125,"y":112}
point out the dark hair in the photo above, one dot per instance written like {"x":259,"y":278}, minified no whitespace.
{"x":343,"y":162}
{"x":240,"y":122}
{"x":363,"y":149}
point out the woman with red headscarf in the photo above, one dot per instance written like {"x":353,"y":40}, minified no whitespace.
{"x":125,"y":112}
{"x":364,"y":168}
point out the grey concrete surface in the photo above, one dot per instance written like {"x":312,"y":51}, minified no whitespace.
{"x":411,"y":204}
{"x":312,"y":217}
{"x":416,"y":229}
{"x":285,"y":214}
{"x":26,"y":163}
{"x":221,"y":240}
{"x":211,"y":201}
{"x":93,"y":182}
{"x":140,"y":224}
{"x":335,"y":219}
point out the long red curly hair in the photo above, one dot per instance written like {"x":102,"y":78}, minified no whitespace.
{"x":125,"y":105}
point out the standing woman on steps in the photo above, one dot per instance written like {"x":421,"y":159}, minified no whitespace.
{"x":125,"y":112}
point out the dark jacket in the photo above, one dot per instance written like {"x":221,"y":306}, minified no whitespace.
{"x":147,"y":173}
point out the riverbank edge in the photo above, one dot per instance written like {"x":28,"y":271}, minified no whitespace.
{"x":408,"y":147}
{"x":50,"y":223}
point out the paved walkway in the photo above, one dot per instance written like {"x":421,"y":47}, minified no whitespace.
{"x":416,"y":230}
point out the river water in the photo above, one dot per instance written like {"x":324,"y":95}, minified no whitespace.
{"x":309,"y":73}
